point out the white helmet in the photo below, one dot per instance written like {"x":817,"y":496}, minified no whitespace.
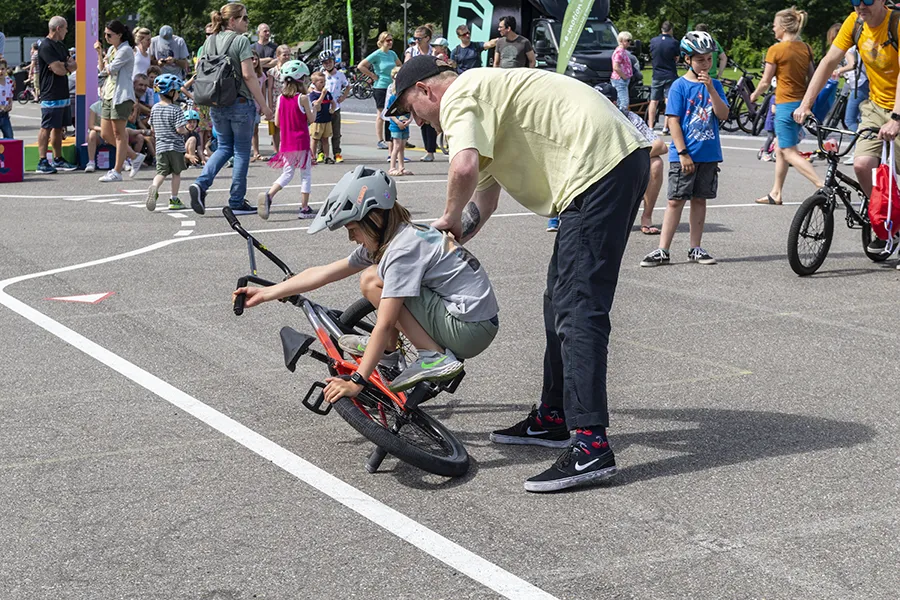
{"x":697,"y":42}
{"x":357,"y":193}
{"x":440,"y":42}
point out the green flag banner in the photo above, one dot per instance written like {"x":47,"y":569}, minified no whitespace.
{"x":350,"y":30}
{"x":573,"y":24}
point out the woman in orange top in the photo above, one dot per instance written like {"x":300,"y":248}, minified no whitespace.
{"x":791,"y":61}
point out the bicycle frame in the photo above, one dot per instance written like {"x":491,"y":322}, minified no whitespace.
{"x":320,"y":319}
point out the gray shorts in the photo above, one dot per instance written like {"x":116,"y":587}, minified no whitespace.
{"x":464,"y":339}
{"x":659,"y":89}
{"x":702,"y":183}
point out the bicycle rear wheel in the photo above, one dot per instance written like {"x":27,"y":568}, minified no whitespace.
{"x":810,"y":235}
{"x":24,"y":96}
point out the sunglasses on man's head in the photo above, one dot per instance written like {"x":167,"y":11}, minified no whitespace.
{"x":856,"y":3}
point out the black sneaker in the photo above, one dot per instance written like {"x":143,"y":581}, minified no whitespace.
{"x":656,"y":258}
{"x":44,"y":166}
{"x":574,"y":467}
{"x":879,"y":246}
{"x":198,"y":199}
{"x":700,"y":256}
{"x":530,"y":432}
{"x":244,"y":209}
{"x":61,"y":164}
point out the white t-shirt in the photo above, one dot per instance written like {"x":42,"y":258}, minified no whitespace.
{"x":141,"y":63}
{"x":336,"y":84}
{"x":6,"y":91}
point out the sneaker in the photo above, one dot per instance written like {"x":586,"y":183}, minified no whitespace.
{"x":879,"y":246}
{"x":656,"y":258}
{"x":768,"y":157}
{"x":90,"y":167}
{"x":320,"y":157}
{"x":530,"y":432}
{"x":111,"y":175}
{"x":152,"y":197}
{"x":175,"y":204}
{"x":307,"y":213}
{"x":198,"y":199}
{"x":230,"y":163}
{"x":338,"y":158}
{"x":60,"y":164}
{"x":553,"y":224}
{"x":136,"y":164}
{"x":244,"y":209}
{"x":382,"y":145}
{"x":355,"y":345}
{"x":263,"y":204}
{"x":574,"y":467}
{"x":429,"y":366}
{"x":329,"y":160}
{"x":410,"y":145}
{"x":701,"y":256}
{"x":665,"y":131}
{"x":126,"y":167}
{"x":44,"y":166}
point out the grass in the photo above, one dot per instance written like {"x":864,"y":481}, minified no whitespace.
{"x":729,"y":73}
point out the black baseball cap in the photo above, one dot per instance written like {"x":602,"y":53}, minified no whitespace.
{"x":413,"y":71}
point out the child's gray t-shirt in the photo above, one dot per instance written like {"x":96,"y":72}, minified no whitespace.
{"x":421,"y":256}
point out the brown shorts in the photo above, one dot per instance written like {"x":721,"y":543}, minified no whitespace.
{"x":321,"y":130}
{"x":874,"y":116}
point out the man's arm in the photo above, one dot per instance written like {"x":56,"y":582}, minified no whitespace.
{"x":496,"y":57}
{"x":723,"y":64}
{"x":532,"y":60}
{"x":461,"y":183}
{"x":478,"y":211}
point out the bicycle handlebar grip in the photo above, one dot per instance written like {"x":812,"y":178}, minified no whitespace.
{"x":229,"y":216}
{"x":240,"y":298}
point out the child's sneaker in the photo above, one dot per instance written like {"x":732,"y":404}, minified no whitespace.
{"x":553,"y":224}
{"x":307,"y":213}
{"x":329,"y":160}
{"x":701,"y":256}
{"x":338,"y":158}
{"x":175,"y":204}
{"x":355,"y":345}
{"x":152,"y":197}
{"x":90,"y":167}
{"x":320,"y":157}
{"x":429,"y":366}
{"x":656,"y":258}
{"x":263,"y":204}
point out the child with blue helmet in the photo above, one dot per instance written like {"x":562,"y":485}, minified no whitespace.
{"x":168,"y":124}
{"x":192,"y":143}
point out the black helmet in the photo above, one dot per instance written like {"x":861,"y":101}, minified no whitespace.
{"x":608,"y":90}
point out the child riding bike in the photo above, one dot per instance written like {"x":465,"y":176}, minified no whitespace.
{"x":423,"y":283}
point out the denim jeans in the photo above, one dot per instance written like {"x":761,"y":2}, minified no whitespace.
{"x":581,"y":284}
{"x":234,"y":128}
{"x":6,"y":130}
{"x":621,"y":86}
{"x":852,"y":116}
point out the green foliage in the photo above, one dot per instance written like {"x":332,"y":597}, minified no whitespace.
{"x":640,"y":26}
{"x":745,"y":53}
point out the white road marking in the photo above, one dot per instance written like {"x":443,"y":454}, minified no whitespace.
{"x":188,"y":223}
{"x":125,"y":202}
{"x":102,"y":200}
{"x":139,"y":205}
{"x":183,"y":232}
{"x":177,"y":215}
{"x":450,"y":553}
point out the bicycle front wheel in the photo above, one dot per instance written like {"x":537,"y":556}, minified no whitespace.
{"x":23,"y":97}
{"x":810,"y":235}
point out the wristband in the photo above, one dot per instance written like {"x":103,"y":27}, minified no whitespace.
{"x":683,"y":152}
{"x":895,"y":117}
{"x":358,"y":379}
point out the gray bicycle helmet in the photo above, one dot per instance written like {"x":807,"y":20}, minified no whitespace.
{"x":326,"y":55}
{"x":355,"y":195}
{"x":697,"y":42}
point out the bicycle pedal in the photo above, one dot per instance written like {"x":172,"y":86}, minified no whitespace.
{"x":316,"y":406}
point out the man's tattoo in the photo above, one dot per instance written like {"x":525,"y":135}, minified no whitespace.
{"x":471,"y":218}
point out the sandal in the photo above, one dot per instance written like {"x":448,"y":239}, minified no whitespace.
{"x":650,"y":230}
{"x":395,"y":173}
{"x":768,"y":200}
{"x":405,"y":172}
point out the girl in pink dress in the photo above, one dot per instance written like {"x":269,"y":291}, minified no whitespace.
{"x":293,"y":115}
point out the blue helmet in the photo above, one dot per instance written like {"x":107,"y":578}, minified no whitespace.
{"x":192,"y":115}
{"x":166,"y":83}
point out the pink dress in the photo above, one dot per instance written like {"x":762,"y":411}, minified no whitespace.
{"x":295,"y":143}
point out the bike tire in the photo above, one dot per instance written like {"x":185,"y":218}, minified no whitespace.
{"x":815,"y":208}
{"x":23,"y":97}
{"x":744,"y":116}
{"x":731,"y":124}
{"x":866,"y":240}
{"x":366,"y":91}
{"x":759,"y":121}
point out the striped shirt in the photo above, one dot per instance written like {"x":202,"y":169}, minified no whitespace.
{"x":165,"y":119}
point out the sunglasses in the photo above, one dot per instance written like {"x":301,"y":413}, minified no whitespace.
{"x":108,"y":33}
{"x":465,"y":34}
{"x":856,"y":3}
{"x":245,"y":19}
{"x":420,"y":39}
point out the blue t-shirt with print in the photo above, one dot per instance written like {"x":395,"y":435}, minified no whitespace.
{"x":691,"y":103}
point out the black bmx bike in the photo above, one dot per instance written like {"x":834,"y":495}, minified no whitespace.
{"x":394,"y":422}
{"x":812,"y":228}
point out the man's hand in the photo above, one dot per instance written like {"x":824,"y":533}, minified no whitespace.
{"x":889,"y":131}
{"x":687,"y":164}
{"x":451,"y":224}
{"x":801,"y":113}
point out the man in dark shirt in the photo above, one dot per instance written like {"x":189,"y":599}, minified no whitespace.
{"x":513,"y":50}
{"x":265,"y":47}
{"x":54,"y":66}
{"x":664,"y":51}
{"x":468,"y":54}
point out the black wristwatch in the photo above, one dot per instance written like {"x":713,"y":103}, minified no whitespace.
{"x":895,"y":117}
{"x":683,"y":152}
{"x":358,"y":379}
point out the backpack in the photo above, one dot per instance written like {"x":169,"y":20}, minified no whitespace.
{"x":884,"y":204}
{"x":218,"y":81}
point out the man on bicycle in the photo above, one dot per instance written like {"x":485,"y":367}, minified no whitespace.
{"x":489,"y":116}
{"x":878,"y":49}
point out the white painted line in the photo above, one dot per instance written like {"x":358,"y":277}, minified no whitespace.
{"x":139,"y":205}
{"x":266,"y":187}
{"x":450,"y":553}
{"x":183,"y":232}
{"x":188,"y":223}
{"x":177,"y":215}
{"x":125,"y":202}
{"x":102,"y":200}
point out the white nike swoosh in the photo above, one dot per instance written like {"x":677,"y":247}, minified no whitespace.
{"x":580,"y":467}
{"x":529,"y":431}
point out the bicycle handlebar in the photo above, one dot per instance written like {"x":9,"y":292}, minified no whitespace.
{"x":867,"y":133}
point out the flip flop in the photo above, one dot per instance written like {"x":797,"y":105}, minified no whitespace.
{"x":768,"y":200}
{"x":650,"y":230}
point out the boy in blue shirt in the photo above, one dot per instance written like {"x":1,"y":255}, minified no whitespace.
{"x":694,"y":107}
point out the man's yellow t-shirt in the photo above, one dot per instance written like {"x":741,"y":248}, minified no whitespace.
{"x":877,"y":54}
{"x":544,"y":137}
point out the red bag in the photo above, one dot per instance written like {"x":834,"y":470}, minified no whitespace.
{"x":884,"y":205}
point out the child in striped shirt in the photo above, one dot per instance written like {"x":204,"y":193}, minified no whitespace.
{"x":168,"y":124}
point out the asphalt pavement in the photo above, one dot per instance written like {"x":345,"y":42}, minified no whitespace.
{"x":153,"y":445}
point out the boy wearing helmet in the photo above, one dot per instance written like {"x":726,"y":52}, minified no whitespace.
{"x":422,"y":281}
{"x":168,"y":124}
{"x":192,"y":147}
{"x":336,"y":83}
{"x":694,"y":107}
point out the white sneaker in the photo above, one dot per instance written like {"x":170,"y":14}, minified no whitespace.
{"x":136,"y":164}
{"x":90,"y":167}
{"x":127,"y":166}
{"x":112,"y":175}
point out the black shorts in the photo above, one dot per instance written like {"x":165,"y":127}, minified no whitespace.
{"x":703,"y":183}
{"x":380,"y":98}
{"x":53,"y":118}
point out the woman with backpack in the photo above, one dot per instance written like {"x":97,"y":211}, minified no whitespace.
{"x":791,"y":61}
{"x":233,"y":123}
